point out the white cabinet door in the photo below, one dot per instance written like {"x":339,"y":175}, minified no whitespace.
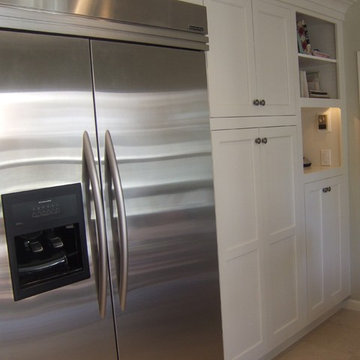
{"x":241,"y":70}
{"x":327,"y":245}
{"x":237,"y":199}
{"x":283,"y":250}
{"x":274,"y":57}
{"x":260,"y":270}
{"x":231,"y":63}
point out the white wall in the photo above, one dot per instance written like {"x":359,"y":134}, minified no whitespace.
{"x":352,"y":45}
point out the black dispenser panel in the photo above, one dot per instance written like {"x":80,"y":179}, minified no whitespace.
{"x":45,"y":233}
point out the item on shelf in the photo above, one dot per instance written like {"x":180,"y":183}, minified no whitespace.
{"x":317,"y":52}
{"x":306,"y":162}
{"x":313,"y":80}
{"x":318,"y":94}
{"x":304,"y":45}
{"x":304,"y":89}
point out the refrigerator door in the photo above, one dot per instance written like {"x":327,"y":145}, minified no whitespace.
{"x":151,"y":106}
{"x":46,"y":104}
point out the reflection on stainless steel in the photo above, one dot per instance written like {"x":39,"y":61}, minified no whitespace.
{"x":159,"y":13}
{"x":45,"y":105}
{"x":153,"y":100}
{"x":90,"y":170}
{"x":155,"y":106}
{"x":111,"y":162}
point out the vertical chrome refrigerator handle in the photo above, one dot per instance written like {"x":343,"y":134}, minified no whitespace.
{"x":110,"y":157}
{"x":100,"y":221}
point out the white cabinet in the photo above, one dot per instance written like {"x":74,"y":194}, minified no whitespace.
{"x":258,"y":248}
{"x":251,"y":58}
{"x":237,"y":198}
{"x":282,"y":245}
{"x":327,"y":244}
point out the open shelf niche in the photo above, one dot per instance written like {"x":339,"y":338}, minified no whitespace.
{"x":321,"y":35}
{"x":322,"y":147}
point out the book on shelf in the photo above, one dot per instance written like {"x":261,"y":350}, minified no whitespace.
{"x":313,"y":80}
{"x":318,"y":94}
{"x":304,"y":90}
{"x":310,"y":85}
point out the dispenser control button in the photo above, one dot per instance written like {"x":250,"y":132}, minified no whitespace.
{"x":56,"y":242}
{"x":36,"y":247}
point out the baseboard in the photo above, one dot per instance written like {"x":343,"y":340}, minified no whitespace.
{"x":352,"y":304}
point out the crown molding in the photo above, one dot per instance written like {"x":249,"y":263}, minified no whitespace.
{"x":333,"y":8}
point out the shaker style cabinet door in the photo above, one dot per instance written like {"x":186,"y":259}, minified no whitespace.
{"x":327,"y":246}
{"x":237,"y":199}
{"x":250,"y":62}
{"x":283,"y":276}
{"x":259,"y":250}
{"x":274,"y":56}
{"x":231,"y":63}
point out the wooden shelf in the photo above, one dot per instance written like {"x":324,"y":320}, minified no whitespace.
{"x":319,"y":103}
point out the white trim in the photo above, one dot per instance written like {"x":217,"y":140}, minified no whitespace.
{"x":332,"y":8}
{"x":352,"y":304}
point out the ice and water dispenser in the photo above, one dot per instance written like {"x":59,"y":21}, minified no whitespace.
{"x":46,"y":240}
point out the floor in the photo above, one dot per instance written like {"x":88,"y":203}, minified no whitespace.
{"x":338,"y":338}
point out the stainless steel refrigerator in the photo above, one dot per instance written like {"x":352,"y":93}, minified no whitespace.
{"x":107,"y":231}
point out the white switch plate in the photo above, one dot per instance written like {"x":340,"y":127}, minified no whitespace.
{"x":325,"y":157}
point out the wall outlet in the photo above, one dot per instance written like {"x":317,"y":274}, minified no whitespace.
{"x":325,"y":157}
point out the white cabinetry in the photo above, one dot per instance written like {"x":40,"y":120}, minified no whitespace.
{"x":325,"y":184}
{"x":258,"y":248}
{"x":251,"y":58}
{"x":327,"y":244}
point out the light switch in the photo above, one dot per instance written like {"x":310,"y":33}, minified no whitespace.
{"x":325,"y":157}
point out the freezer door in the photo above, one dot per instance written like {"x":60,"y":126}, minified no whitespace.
{"x":151,"y":102}
{"x":46,"y":105}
